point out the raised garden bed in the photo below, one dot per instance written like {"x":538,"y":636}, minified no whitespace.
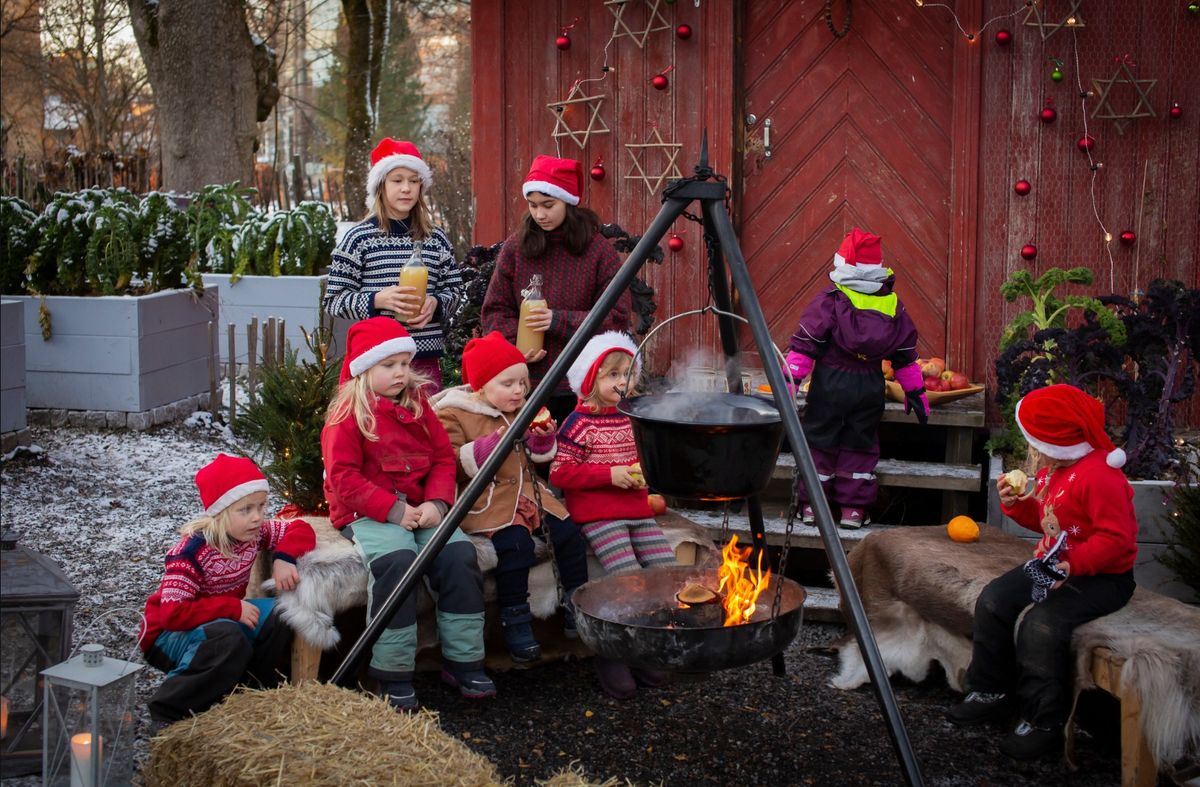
{"x":12,"y":375}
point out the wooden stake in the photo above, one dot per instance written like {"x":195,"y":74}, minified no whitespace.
{"x":279,"y":356}
{"x":252,"y":356}
{"x":269,"y":342}
{"x":232,"y":330}
{"x":213,"y":363}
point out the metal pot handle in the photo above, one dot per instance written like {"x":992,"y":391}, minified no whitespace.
{"x":704,"y":310}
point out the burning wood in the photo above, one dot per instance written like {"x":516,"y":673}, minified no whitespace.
{"x":740,"y":584}
{"x":693,"y":594}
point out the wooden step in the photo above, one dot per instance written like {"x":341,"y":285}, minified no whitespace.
{"x":821,"y":605}
{"x":914,"y":475}
{"x":774,"y":527}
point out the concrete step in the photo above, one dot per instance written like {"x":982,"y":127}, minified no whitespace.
{"x":914,"y":475}
{"x":821,"y":605}
{"x":774,"y":527}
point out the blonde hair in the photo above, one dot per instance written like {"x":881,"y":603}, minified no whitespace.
{"x":215,"y":530}
{"x":610,"y":362}
{"x":355,"y":397}
{"x":420,"y":225}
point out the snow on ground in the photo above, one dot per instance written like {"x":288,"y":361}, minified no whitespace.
{"x":106,"y":506}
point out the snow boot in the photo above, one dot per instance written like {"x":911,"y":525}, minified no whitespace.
{"x":470,"y":679}
{"x":518,"y":634}
{"x":616,"y":679}
{"x":400,"y":694}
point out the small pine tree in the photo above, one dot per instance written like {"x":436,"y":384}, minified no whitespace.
{"x":1182,"y":555}
{"x":282,"y":426}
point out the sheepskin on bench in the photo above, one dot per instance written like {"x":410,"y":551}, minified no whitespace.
{"x":919,"y":590}
{"x":333,"y":579}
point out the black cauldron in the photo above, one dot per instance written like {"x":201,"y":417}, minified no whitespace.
{"x":634,"y":618}
{"x":705,"y":446}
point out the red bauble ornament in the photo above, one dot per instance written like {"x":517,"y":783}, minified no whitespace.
{"x":1029,"y":251}
{"x":1003,"y":37}
{"x":1175,"y":112}
{"x":563,"y":42}
{"x":1128,"y":237}
{"x":660,"y":82}
{"x":675,"y":243}
{"x":684,"y":32}
{"x":598,"y":172}
{"x":1022,"y":187}
{"x":1048,"y":114}
{"x":1086,"y":144}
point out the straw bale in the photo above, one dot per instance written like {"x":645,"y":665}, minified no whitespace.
{"x":573,"y":776}
{"x":313,"y":734}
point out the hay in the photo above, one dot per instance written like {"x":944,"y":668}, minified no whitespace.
{"x":313,"y":734}
{"x":573,"y":776}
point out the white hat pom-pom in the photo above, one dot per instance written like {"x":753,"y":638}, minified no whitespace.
{"x":1116,"y":458}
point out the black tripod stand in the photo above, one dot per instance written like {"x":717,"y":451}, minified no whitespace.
{"x":711,"y":194}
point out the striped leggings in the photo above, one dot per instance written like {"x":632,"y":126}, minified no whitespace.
{"x":628,"y":544}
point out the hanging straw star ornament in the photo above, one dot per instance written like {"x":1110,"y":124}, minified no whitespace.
{"x":654,"y":21}
{"x":560,"y":110}
{"x":670,"y":169}
{"x":1034,"y":18}
{"x":1123,"y":76}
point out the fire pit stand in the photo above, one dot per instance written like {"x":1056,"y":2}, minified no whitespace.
{"x":711,"y":191}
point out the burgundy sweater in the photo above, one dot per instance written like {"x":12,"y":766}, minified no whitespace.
{"x":571,"y":286}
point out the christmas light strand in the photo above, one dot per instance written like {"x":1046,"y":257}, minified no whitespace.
{"x":1093,"y":166}
{"x":973,"y":36}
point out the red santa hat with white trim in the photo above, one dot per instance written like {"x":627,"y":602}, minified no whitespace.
{"x":390,"y":154}
{"x":1065,"y":423}
{"x":370,"y":341}
{"x":226,"y":480}
{"x":561,"y":178}
{"x":861,"y":249}
{"x":582,"y":374}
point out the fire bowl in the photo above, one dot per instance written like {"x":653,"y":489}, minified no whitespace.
{"x":634,"y":618}
{"x":705,"y":446}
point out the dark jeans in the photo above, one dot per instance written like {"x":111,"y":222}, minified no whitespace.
{"x":1038,"y":667}
{"x":514,"y":558}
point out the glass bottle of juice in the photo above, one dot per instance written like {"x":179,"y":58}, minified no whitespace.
{"x":414,"y":274}
{"x":529,"y":340}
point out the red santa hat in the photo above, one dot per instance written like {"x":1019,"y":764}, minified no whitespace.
{"x":582,"y":374}
{"x":561,"y":178}
{"x":226,"y":480}
{"x":387,"y":156}
{"x":861,"y":249}
{"x":370,"y":341}
{"x":487,"y":356}
{"x":1063,"y":422}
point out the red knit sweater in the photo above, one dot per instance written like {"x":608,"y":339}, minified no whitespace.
{"x":590,"y":444}
{"x":571,"y":286}
{"x":200,"y":584}
{"x":1094,"y":507}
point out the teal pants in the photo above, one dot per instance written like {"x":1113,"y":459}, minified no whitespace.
{"x":388,"y":551}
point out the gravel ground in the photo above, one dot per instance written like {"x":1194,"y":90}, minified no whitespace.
{"x":106,"y":507}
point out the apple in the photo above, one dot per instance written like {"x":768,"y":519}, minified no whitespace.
{"x":959,"y":381}
{"x":946,"y":375}
{"x":932,"y":367}
{"x":658,"y":504}
{"x":933,"y":383}
{"x":888,"y":372}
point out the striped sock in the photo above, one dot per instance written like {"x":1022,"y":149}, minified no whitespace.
{"x":649,"y":543}
{"x":610,"y":541}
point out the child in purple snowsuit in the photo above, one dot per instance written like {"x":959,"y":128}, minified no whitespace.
{"x":842,"y":337}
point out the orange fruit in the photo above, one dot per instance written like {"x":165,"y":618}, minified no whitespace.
{"x":962,"y":529}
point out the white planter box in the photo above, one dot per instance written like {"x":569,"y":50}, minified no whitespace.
{"x":12,"y":366}
{"x":1154,"y":525}
{"x":294,"y":299}
{"x":118,"y":352}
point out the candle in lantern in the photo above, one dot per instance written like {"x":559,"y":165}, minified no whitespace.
{"x":81,"y":758}
{"x":3,"y":717}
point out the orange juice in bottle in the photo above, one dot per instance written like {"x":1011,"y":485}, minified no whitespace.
{"x":529,"y":340}
{"x":415,"y":274}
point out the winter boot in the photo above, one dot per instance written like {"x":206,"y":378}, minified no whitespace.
{"x":979,"y":707}
{"x":518,"y":634}
{"x":470,"y":679}
{"x":1028,"y":742}
{"x":808,"y":516}
{"x":400,"y":694}
{"x":568,"y":608}
{"x":615,"y":678}
{"x":854,"y":518}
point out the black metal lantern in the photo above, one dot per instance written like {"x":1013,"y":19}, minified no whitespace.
{"x":37,"y":604}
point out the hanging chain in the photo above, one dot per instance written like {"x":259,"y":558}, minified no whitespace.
{"x":787,"y":543}
{"x":528,"y":468}
{"x":725,"y":526}
{"x":829,"y":19}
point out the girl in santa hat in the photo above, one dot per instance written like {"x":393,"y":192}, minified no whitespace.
{"x":561,"y":242}
{"x":841,"y":339}
{"x":364,"y":276}
{"x":198,"y":626}
{"x":517,"y":504}
{"x":598,"y":470}
{"x":1080,"y":491}
{"x":389,"y":479}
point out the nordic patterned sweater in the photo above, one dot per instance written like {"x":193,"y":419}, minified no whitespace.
{"x":366,"y":261}
{"x":200,"y":584}
{"x":571,"y":286}
{"x":590,"y":444}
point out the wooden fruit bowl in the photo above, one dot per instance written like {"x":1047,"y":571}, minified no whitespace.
{"x":896,"y":393}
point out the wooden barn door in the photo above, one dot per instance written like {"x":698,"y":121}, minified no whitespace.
{"x":860,"y":130}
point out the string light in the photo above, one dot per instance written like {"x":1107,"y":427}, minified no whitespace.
{"x":969,"y":36}
{"x":1094,"y":165}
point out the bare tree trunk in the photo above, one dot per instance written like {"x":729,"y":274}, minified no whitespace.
{"x":366,"y":21}
{"x":202,"y":63}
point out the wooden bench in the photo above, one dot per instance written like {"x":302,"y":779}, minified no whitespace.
{"x":1137,"y":761}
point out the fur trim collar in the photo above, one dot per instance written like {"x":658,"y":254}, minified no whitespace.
{"x":464,"y":399}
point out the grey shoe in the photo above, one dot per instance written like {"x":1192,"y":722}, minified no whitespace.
{"x":978,"y":707}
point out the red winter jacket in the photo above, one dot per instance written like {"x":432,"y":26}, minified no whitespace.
{"x":412,"y":458}
{"x":1093,"y":504}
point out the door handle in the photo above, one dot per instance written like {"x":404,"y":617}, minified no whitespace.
{"x":767,"y":138}
{"x":765,"y":143}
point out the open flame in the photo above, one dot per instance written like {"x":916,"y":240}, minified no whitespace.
{"x":739,"y":585}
